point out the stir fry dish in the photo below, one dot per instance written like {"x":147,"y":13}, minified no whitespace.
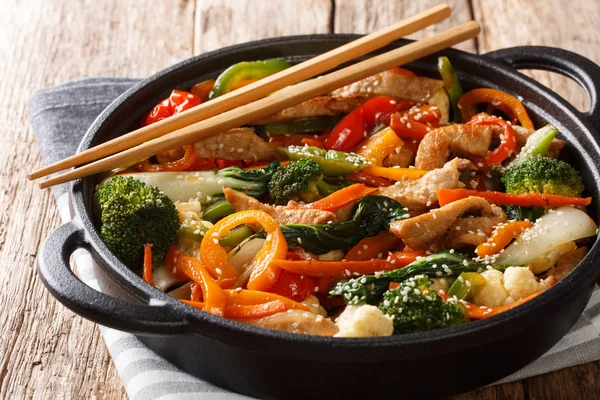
{"x":396,"y":204}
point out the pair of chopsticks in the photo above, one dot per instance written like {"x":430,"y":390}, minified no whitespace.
{"x":249,"y":103}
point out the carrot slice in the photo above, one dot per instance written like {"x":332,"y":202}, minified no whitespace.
{"x":481,"y":312}
{"x":371,"y":247}
{"x":446,"y":196}
{"x":335,"y":269}
{"x":501,"y":237}
{"x":342,"y":197}
{"x":147,"y":271}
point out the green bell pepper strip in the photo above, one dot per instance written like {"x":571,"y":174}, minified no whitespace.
{"x":467,"y":285}
{"x":334,"y":163}
{"x":218,"y":210}
{"x":303,"y":125}
{"x":245,"y":70}
{"x":236,"y":236}
{"x":536,"y":145}
{"x":195,"y":231}
{"x":452,"y":85}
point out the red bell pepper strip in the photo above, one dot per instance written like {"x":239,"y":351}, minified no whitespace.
{"x":147,"y":269}
{"x":342,"y":197}
{"x":408,"y":129}
{"x":446,"y":196}
{"x":335,"y":269}
{"x":507,"y":144}
{"x":353,"y":128}
{"x":177,"y":102}
{"x":294,"y":286}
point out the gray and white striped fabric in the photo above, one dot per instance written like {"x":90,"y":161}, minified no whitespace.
{"x":60,"y":116}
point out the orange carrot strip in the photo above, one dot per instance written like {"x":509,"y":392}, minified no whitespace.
{"x":446,"y":196}
{"x":335,"y":269}
{"x":264,"y":273}
{"x":342,"y":197}
{"x":401,"y":259}
{"x":147,"y":271}
{"x":396,"y":174}
{"x":371,"y":247}
{"x":481,"y":312}
{"x":214,"y":297}
{"x":501,"y":237}
{"x":245,"y":311}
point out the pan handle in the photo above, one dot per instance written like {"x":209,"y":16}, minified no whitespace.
{"x":581,"y":69}
{"x":56,"y":274}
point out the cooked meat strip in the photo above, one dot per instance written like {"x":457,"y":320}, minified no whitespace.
{"x":417,"y":89}
{"x":290,"y":214}
{"x":423,"y":231}
{"x":420,"y":194}
{"x":316,"y":107}
{"x":235,"y":144}
{"x":471,"y":231}
{"x":297,"y":321}
{"x":566,"y":263}
{"x":436,"y":146}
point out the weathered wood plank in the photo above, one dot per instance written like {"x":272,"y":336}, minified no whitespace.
{"x":365,"y":16}
{"x":46,"y":351}
{"x":221,"y":23}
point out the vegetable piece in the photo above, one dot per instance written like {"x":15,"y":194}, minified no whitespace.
{"x":396,"y":174}
{"x":214,"y":297}
{"x":367,"y":179}
{"x":372,"y":215}
{"x":202,"y":89}
{"x":481,"y":312}
{"x":334,"y":163}
{"x":133,"y":214}
{"x":182,"y":164}
{"x":402,"y":71}
{"x":294,"y":286}
{"x":177,"y":102}
{"x":507,"y":144}
{"x":302,"y":125}
{"x":415,"y":308}
{"x":371,"y":247}
{"x":249,"y":297}
{"x":405,"y":257}
{"x":543,"y":175}
{"x":245,"y":311}
{"x":147,"y":269}
{"x":518,"y":213}
{"x":369,"y":288}
{"x":536,"y":145}
{"x":467,"y":285}
{"x":377,"y":147}
{"x":334,"y":269}
{"x":408,"y":129}
{"x":353,"y":128}
{"x":342,"y":197}
{"x":446,"y":196}
{"x":503,"y":101}
{"x":501,"y":237}
{"x":218,"y":210}
{"x":452,"y":85}
{"x":329,"y":185}
{"x":236,"y":236}
{"x":264,"y":274}
{"x":245,"y":70}
{"x":206,"y":185}
{"x":193,"y":230}
{"x":296,"y":181}
{"x":565,"y":224}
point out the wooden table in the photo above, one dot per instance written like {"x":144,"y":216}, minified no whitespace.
{"x":47,"y":351}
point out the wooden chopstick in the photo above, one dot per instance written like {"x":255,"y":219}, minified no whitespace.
{"x":277,"y":101}
{"x":255,"y":91}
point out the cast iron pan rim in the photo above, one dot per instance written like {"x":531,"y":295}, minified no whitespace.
{"x":562,"y":289}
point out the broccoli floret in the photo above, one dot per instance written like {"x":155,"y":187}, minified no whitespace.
{"x":543,"y":175}
{"x":415,"y":308}
{"x":296,"y":181}
{"x":133,"y":214}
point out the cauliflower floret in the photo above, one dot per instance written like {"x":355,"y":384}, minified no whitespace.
{"x":364,"y":321}
{"x":520,"y":282}
{"x":493,"y":293}
{"x":440,"y":284}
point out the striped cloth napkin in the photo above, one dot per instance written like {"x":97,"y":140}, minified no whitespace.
{"x":60,"y":115}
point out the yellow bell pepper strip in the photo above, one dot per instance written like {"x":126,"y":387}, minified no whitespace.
{"x":371,"y":247}
{"x":468,"y":104}
{"x":342,"y":197}
{"x":501,"y":237}
{"x":481,"y":312}
{"x":244,"y":71}
{"x":507,"y":144}
{"x":395,"y":174}
{"x":264,"y":273}
{"x":243,"y":311}
{"x":182,"y":164}
{"x":335,"y":269}
{"x":147,"y":269}
{"x":203,"y":89}
{"x":377,"y":147}
{"x":251,"y":297}
{"x":446,"y":196}
{"x":214,"y":297}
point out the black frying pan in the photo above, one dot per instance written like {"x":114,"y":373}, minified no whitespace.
{"x":271,"y":364}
